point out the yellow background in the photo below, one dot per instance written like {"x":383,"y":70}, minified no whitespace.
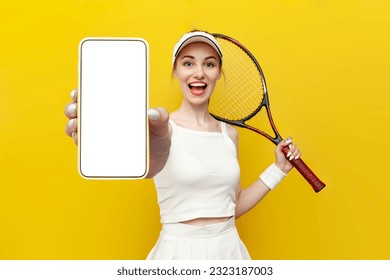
{"x":327,"y":68}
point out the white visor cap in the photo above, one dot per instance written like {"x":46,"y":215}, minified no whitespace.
{"x":194,"y":37}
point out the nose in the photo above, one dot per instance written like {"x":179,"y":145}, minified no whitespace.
{"x":198,"y":72}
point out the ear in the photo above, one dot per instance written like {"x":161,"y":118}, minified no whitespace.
{"x":174,"y":70}
{"x":220,"y":74}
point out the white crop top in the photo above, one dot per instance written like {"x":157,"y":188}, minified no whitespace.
{"x":200,"y":177}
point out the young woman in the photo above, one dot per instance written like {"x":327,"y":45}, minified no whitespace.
{"x":193,"y":161}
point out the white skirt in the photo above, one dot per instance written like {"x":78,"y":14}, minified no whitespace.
{"x":219,"y":241}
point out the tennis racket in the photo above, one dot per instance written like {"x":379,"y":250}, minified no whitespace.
{"x":244,"y":95}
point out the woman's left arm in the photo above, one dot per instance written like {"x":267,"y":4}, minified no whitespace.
{"x":250,"y":196}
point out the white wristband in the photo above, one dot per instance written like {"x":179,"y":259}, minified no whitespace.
{"x":272,"y":176}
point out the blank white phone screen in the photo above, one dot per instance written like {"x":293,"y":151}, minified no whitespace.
{"x":113,"y":100}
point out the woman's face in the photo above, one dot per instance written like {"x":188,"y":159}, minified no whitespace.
{"x":197,"y":68}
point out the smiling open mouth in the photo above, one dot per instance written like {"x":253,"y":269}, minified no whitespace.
{"x":197,"y":86}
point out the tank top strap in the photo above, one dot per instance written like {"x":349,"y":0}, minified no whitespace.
{"x":224,"y":129}
{"x":173,"y":125}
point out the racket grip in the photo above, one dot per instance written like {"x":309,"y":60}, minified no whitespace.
{"x":306,"y":172}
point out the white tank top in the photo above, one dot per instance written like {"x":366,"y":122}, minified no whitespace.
{"x":200,"y":177}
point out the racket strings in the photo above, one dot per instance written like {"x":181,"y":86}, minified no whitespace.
{"x":242,"y":92}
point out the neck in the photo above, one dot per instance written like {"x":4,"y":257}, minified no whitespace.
{"x":194,"y":113}
{"x":196,"y":117}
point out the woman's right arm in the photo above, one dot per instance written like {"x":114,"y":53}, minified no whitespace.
{"x":159,"y":134}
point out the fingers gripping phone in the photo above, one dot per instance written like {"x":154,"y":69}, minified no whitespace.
{"x":113,"y":102}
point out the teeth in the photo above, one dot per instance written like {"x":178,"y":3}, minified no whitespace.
{"x":198,"y":84}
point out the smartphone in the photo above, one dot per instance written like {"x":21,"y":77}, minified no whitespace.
{"x":113,"y":131}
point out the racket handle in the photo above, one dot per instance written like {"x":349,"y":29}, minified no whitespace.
{"x":306,"y":172}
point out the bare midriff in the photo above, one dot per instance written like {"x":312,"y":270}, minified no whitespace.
{"x":206,"y":221}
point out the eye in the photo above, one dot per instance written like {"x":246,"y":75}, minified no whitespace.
{"x":209,"y":64}
{"x":187,"y":63}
